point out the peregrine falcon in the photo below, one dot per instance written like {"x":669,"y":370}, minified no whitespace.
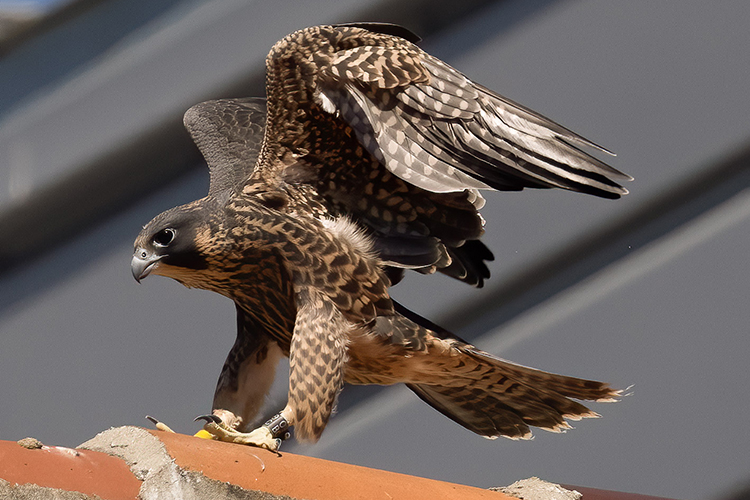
{"x":366,"y":158}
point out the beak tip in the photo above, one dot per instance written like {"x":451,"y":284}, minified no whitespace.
{"x":142,"y":267}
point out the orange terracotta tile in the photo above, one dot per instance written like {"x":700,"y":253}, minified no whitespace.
{"x":305,"y":477}
{"x":92,"y":472}
{"x":88,"y":472}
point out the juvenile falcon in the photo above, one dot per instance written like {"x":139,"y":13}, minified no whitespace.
{"x":365,"y":160}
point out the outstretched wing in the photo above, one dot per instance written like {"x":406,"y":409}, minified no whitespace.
{"x":402,"y":143}
{"x":229,"y":134}
{"x":432,"y":126}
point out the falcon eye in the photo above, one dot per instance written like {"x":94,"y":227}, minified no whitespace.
{"x":164,"y":237}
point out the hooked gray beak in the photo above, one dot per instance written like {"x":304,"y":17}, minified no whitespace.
{"x":143,"y":263}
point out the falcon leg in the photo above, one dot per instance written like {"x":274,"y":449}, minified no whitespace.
{"x":268,"y":436}
{"x":317,"y":357}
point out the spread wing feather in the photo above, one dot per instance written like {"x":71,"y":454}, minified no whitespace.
{"x":229,"y":134}
{"x":435,"y":128}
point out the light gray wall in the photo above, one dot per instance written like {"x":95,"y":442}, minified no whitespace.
{"x":662,"y":84}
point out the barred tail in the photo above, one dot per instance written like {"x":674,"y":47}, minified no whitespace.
{"x":500,"y":398}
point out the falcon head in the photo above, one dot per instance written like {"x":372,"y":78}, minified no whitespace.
{"x":169,"y":245}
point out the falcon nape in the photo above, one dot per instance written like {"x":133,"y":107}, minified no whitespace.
{"x":365,"y":159}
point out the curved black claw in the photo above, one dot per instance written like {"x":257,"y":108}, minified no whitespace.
{"x":208,"y":418}
{"x":278,"y":445}
{"x":161,"y":426}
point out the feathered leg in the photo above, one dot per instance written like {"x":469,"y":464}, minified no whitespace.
{"x":316,"y":374}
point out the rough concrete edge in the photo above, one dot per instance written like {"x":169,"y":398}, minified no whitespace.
{"x":141,"y":451}
{"x":150,"y":462}
{"x":35,"y":492}
{"x":534,"y":488}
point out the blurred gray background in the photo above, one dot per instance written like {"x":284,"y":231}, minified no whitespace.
{"x":650,"y":290}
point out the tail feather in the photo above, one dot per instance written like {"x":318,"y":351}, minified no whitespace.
{"x":494,"y":397}
{"x":499,"y":398}
{"x":570,"y":387}
{"x":486,"y":421}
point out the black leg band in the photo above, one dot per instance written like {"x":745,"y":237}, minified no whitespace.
{"x":278,"y":426}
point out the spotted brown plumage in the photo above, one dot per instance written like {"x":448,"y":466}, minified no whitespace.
{"x":365,"y":159}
